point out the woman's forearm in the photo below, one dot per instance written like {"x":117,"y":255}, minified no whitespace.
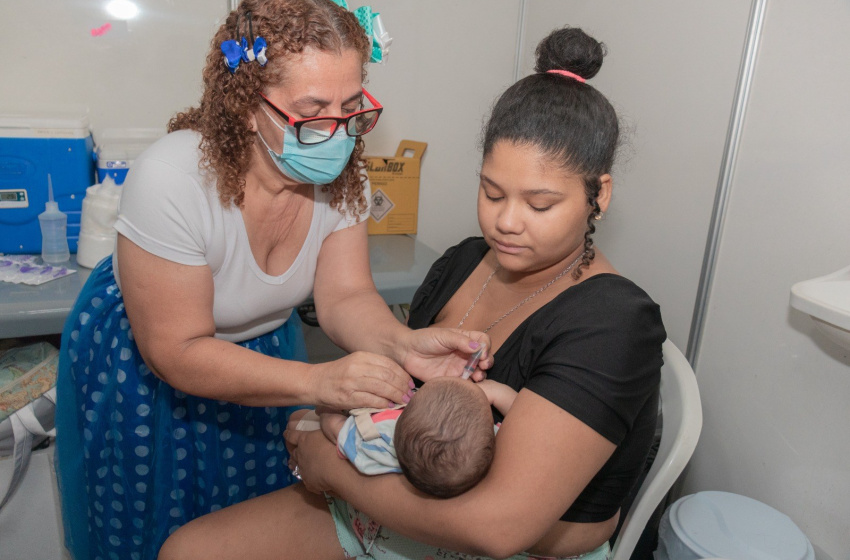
{"x":362,"y":320}
{"x":216,"y":369}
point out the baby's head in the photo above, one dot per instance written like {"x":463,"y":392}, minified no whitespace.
{"x":444,"y":440}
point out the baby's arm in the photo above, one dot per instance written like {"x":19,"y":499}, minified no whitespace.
{"x":500,"y":395}
{"x":331,"y":422}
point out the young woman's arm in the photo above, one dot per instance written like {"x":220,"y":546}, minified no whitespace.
{"x":355,"y":317}
{"x":544,"y":458}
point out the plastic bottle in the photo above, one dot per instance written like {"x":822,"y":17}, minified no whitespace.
{"x":54,"y":238}
{"x":97,"y":234}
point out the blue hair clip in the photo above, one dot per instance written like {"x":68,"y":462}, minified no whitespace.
{"x":231,"y":50}
{"x":232,"y":54}
{"x":257,"y":50}
{"x":243,"y":50}
{"x":260,"y":51}
{"x":247,"y":52}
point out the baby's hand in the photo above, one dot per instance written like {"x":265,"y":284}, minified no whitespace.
{"x":498,"y":394}
{"x":331,"y":422}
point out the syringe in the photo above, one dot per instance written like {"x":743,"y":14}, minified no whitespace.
{"x":473,"y":362}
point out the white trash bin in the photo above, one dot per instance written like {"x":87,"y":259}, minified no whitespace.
{"x":728,"y":526}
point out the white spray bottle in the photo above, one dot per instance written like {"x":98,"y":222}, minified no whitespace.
{"x":54,"y":237}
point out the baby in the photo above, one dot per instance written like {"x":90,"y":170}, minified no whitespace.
{"x":442,"y":440}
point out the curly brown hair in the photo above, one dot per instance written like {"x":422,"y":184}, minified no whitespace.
{"x":229,"y":100}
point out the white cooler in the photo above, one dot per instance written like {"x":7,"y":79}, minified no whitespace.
{"x":728,"y":526}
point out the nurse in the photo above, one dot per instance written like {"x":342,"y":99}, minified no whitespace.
{"x":182,"y":358}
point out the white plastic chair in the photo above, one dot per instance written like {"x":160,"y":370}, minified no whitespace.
{"x":682,"y":413}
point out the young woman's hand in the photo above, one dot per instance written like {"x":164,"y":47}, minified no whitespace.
{"x":361,"y":379}
{"x":439,"y":352}
{"x":316,"y":458}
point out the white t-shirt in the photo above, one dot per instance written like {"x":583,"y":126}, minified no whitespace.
{"x":170,"y":209}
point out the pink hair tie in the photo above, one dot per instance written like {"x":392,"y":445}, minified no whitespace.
{"x":567,"y":74}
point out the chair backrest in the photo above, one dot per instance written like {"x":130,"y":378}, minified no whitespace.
{"x":682,"y":413}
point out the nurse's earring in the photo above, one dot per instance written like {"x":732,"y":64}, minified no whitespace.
{"x":599,"y":216}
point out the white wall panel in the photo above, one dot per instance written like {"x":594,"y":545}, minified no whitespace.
{"x":137,"y":74}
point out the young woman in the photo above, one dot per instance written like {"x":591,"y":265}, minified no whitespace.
{"x":580,"y":343}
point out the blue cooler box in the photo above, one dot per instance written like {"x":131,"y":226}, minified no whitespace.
{"x":30,"y":148}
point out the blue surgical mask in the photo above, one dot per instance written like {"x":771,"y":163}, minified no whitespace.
{"x":317,"y":164}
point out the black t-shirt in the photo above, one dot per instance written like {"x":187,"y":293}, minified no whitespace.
{"x":594,"y":350}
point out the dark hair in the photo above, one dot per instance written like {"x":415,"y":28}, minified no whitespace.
{"x":444,"y":440}
{"x":228,"y":100}
{"x":569,"y":121}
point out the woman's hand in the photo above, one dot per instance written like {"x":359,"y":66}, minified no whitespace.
{"x":359,"y":380}
{"x":314,"y":455}
{"x":439,"y":352}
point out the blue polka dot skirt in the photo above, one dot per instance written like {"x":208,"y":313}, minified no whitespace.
{"x":135,"y":458}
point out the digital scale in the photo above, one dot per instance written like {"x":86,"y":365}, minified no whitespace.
{"x":13,"y":198}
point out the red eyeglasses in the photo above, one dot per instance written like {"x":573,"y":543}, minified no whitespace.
{"x":316,"y":130}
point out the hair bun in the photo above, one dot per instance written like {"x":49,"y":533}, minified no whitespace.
{"x":570,"y":49}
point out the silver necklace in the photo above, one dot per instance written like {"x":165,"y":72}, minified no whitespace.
{"x":520,"y":304}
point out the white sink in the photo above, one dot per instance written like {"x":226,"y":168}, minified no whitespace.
{"x":827,"y":300}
